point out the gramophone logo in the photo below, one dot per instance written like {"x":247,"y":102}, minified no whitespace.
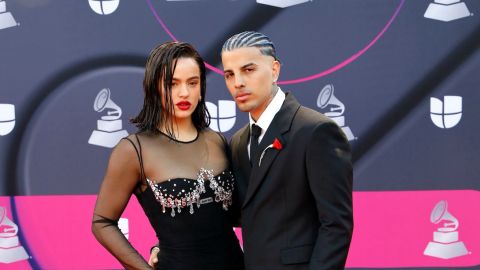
{"x":447,"y":10}
{"x":282,"y":3}
{"x":336,"y":109}
{"x":10,"y":248}
{"x":6,"y":18}
{"x":104,"y":7}
{"x":445,"y":244}
{"x":109,"y":128}
{"x":222,"y":116}
{"x":448,"y":113}
{"x":123,"y":226}
{"x":7,"y":118}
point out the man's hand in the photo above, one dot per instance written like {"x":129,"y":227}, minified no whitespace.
{"x":153,"y":260}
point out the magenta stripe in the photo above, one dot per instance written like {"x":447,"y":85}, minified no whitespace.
{"x":299,"y":80}
{"x":392,"y":229}
{"x":351,"y":58}
{"x":160,"y":21}
{"x":165,"y":28}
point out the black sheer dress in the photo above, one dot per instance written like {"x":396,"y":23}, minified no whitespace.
{"x":185,"y":189}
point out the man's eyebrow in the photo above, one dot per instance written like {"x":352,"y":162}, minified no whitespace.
{"x":248,"y":65}
{"x":242,"y":67}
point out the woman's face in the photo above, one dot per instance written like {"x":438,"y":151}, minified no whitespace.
{"x":185,"y":88}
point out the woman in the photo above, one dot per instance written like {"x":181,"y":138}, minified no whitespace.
{"x":178,"y":170}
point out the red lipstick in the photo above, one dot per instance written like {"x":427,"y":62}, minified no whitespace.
{"x":184,"y":105}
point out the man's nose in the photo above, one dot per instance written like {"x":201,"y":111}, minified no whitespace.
{"x":239,"y":82}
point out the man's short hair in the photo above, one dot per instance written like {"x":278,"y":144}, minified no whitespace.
{"x":251,"y":39}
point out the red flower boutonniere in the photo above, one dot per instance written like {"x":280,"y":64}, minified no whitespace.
{"x":277,"y":145}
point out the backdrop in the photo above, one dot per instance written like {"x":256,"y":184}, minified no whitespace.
{"x":401,"y":78}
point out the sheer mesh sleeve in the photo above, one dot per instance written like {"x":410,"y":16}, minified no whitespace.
{"x":120,"y":181}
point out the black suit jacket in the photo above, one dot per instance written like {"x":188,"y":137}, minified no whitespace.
{"x":296,"y":207}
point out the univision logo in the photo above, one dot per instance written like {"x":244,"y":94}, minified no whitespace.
{"x":222,"y":116}
{"x":448,"y":113}
{"x":7,"y":118}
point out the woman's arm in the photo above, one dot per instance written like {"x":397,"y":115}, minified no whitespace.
{"x":120,"y":181}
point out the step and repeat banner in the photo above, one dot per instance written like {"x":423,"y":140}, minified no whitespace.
{"x":400,"y":77}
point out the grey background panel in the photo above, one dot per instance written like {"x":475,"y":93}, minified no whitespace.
{"x":385,"y":91}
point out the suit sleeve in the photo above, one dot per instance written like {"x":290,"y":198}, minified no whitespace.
{"x":329,"y":172}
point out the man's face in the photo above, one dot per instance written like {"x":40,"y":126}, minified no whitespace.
{"x":250,"y":78}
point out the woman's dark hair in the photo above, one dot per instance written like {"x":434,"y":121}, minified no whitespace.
{"x":160,"y":67}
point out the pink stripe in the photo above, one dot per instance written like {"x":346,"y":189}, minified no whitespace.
{"x":392,"y":229}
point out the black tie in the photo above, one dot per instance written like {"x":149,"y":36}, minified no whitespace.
{"x":254,"y":134}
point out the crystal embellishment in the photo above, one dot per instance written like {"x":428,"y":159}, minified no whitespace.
{"x":222,"y":188}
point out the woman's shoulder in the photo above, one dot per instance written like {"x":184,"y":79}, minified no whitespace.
{"x":214,"y":135}
{"x":134,"y":141}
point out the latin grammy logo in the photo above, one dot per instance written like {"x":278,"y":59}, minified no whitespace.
{"x":446,"y":10}
{"x":282,"y":3}
{"x":6,"y":18}
{"x":7,"y":118}
{"x":10,"y":248}
{"x":445,"y":244}
{"x":109,"y":128}
{"x":326,"y":98}
{"x":123,"y":226}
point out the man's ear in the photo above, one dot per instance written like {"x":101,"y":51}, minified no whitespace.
{"x":276,"y":70}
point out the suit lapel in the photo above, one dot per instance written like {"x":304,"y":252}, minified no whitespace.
{"x":278,"y":129}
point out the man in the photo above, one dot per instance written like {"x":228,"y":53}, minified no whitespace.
{"x":295,"y":187}
{"x":292,"y":164}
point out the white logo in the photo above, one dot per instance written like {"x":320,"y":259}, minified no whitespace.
{"x":445,"y":244}
{"x":10,"y":248}
{"x":326,"y":98}
{"x":109,"y":129}
{"x":6,"y":18}
{"x":448,"y":113}
{"x":104,"y":7}
{"x":223,"y":116}
{"x":282,"y":3}
{"x":447,"y":10}
{"x":7,"y":118}
{"x":123,"y":226}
